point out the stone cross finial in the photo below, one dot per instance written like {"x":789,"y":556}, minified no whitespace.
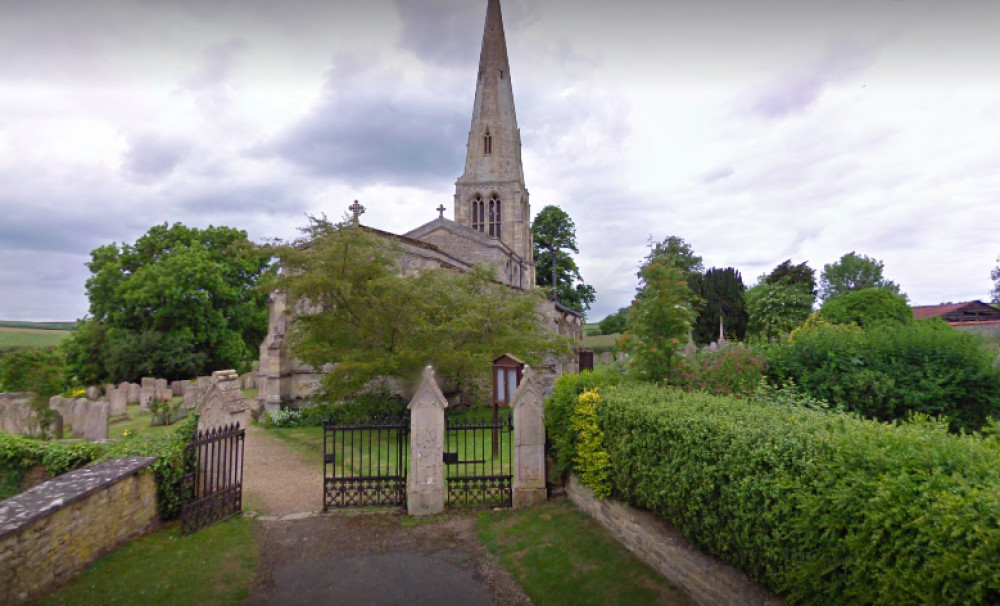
{"x":440,"y":210}
{"x":357,"y":209}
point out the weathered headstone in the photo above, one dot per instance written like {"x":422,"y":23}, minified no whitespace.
{"x":95,"y":425}
{"x":117,"y":402}
{"x":147,"y":392}
{"x":223,"y":403}
{"x":191,"y":396}
{"x":78,"y":416}
{"x":93,"y":393}
{"x":163,"y":390}
{"x":131,"y":391}
{"x":529,"y":443}
{"x":606,"y":358}
{"x":425,"y":488}
{"x":16,"y":413}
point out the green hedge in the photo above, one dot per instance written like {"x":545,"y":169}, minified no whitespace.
{"x":887,"y":373}
{"x":560,"y":407}
{"x":823,"y":508}
{"x":18,"y":454}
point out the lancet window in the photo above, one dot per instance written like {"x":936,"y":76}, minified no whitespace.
{"x":478,"y":213}
{"x":494,"y":216}
{"x":487,"y":143}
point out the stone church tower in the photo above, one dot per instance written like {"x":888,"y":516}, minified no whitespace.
{"x":490,"y":196}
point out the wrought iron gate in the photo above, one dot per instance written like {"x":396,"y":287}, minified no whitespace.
{"x":212,"y":487}
{"x":364,"y":463}
{"x":479,"y":460}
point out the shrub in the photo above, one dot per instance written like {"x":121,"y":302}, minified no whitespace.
{"x":559,"y":408}
{"x":733,"y":369}
{"x":890,"y":372}
{"x":867,"y":308}
{"x":822,"y":507}
{"x":590,"y":460}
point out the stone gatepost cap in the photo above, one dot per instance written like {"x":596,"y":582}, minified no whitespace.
{"x":527,"y":391}
{"x":428,"y":394}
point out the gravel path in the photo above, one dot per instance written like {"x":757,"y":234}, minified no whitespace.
{"x":277,"y":480}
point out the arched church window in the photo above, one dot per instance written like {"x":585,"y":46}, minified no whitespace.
{"x":494,"y":221}
{"x":478,"y":214}
{"x":487,"y":143}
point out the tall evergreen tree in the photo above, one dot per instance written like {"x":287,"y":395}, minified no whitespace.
{"x":554,"y":238}
{"x":721,"y":296}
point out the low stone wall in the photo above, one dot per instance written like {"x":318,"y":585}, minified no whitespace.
{"x":706,"y":580}
{"x":52,"y":531}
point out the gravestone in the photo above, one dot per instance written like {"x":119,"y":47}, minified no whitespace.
{"x":176,"y":389}
{"x":425,"y":488}
{"x":606,"y":358}
{"x":93,"y":393}
{"x":191,"y":396}
{"x":16,"y":413}
{"x":163,"y":391}
{"x":147,"y":392}
{"x":223,"y":403}
{"x":132,"y":389}
{"x":95,"y":425}
{"x":117,"y":402}
{"x":529,"y":443}
{"x":78,"y":416}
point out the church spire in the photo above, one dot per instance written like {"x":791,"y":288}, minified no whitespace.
{"x":490,"y":196}
{"x":494,"y":150}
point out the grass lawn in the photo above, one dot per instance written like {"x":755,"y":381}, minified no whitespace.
{"x":601,"y":342}
{"x":213,"y":566}
{"x":137,"y":423}
{"x":560,"y":556}
{"x":11,"y":338}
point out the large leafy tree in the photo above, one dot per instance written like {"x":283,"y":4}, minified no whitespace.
{"x":555,"y":238}
{"x":853,"y":272}
{"x":774,"y":310}
{"x":721,"y":296}
{"x":867,"y":308}
{"x":793,"y":275}
{"x":614,"y":323}
{"x":659,"y":321}
{"x":179,"y":302}
{"x":675,"y":252}
{"x":357,"y":316}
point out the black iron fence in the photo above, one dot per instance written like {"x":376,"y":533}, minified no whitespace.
{"x":479,"y":459}
{"x":212,"y":487}
{"x":365,"y":463}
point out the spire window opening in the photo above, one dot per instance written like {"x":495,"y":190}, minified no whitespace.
{"x":488,"y":143}
{"x":495,"y":220}
{"x":478,"y":214}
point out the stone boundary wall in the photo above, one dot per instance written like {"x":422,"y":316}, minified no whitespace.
{"x":706,"y":580}
{"x":49,"y":533}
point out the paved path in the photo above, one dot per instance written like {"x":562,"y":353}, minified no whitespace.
{"x":278,"y":480}
{"x":349,"y":558}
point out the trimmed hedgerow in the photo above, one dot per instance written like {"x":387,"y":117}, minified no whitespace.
{"x":822,"y":507}
{"x":560,"y":408}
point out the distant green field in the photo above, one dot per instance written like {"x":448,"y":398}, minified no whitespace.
{"x":601,"y":342}
{"x":64,"y":326}
{"x":11,"y":338}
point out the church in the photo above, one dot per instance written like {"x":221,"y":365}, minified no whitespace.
{"x":491,"y":226}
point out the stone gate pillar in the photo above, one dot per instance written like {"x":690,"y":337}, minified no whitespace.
{"x":425,"y":489}
{"x":529,"y":443}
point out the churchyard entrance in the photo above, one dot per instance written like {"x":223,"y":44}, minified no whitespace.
{"x":212,"y":486}
{"x":365,"y":463}
{"x":478,"y":460}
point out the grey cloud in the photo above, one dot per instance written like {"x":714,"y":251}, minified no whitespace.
{"x":151,"y":157}
{"x":795,"y":93}
{"x":717,"y":175}
{"x":450,"y":32}
{"x":378,"y":125}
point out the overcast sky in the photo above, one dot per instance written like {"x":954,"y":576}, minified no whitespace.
{"x":757,"y":131}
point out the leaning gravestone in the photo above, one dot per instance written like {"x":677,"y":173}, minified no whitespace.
{"x":223,"y":404}
{"x":95,"y":425}
{"x":93,"y":392}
